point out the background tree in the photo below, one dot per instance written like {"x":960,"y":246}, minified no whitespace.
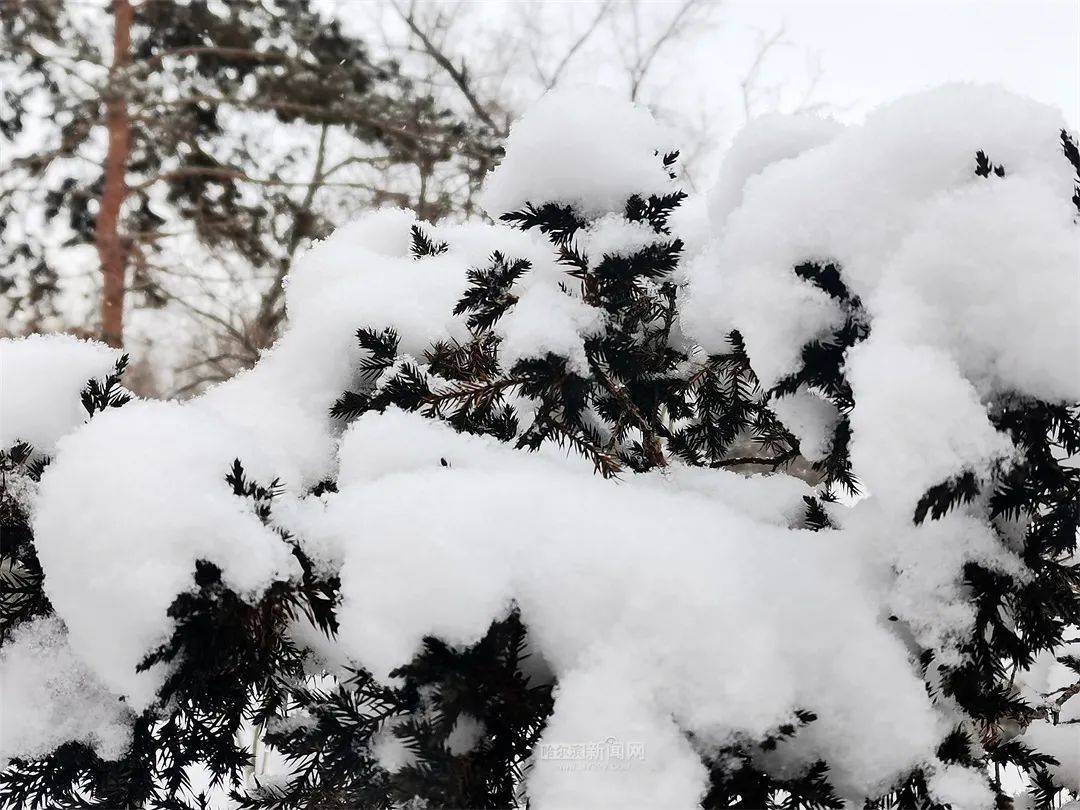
{"x":159,"y":189}
{"x":196,"y":147}
{"x":631,"y":46}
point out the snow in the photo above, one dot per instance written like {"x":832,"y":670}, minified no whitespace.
{"x":118,"y":541}
{"x":916,"y":421}
{"x":811,"y":418}
{"x":549,"y":538}
{"x":1003,"y":307}
{"x":50,"y":697}
{"x":1045,"y":679}
{"x":168,"y":460}
{"x":615,"y":235}
{"x":969,"y":285}
{"x":764,"y":140}
{"x":464,"y":736}
{"x":41,"y":378}
{"x":921,"y":571}
{"x":891,"y":201}
{"x":390,"y":751}
{"x":1062,"y":742}
{"x":343,"y":281}
{"x":960,"y":788}
{"x":584,"y":147}
{"x":609,"y":744}
{"x":546,"y":319}
{"x":969,"y":282}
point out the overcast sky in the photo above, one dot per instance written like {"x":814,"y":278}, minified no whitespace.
{"x":869,"y":51}
{"x":876,"y":50}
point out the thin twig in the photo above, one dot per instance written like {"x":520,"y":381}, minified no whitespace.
{"x":458,"y":75}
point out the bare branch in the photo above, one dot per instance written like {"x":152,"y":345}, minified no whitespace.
{"x":773,"y":462}
{"x":238,"y":175}
{"x":269,"y":312}
{"x":147,"y":66}
{"x":351,"y":113}
{"x":586,"y":34}
{"x":459,"y":76}
{"x":748,"y":85}
{"x":645,"y":60}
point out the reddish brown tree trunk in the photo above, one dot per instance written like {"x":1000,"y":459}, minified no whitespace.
{"x":112,"y":250}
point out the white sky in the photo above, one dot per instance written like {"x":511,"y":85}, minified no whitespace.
{"x":871,"y":51}
{"x":876,"y":50}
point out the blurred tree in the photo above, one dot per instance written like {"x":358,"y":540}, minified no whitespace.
{"x":196,"y":145}
{"x":635,"y":47}
{"x":537,"y":46}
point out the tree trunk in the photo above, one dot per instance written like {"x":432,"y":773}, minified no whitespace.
{"x":112,"y":250}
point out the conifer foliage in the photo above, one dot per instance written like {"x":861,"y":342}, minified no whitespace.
{"x":274,"y":670}
{"x":641,"y":398}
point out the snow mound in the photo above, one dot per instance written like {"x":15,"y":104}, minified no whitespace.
{"x":603,"y":599}
{"x":583,"y":147}
{"x":118,"y":541}
{"x":50,"y":697}
{"x":41,"y":377}
{"x":969,"y":283}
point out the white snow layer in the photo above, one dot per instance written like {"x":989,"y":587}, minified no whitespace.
{"x":960,"y":788}
{"x":49,"y":697}
{"x":584,"y":147}
{"x":763,"y":141}
{"x":1062,"y":742}
{"x":41,"y":377}
{"x":132,"y":501}
{"x":620,"y":611}
{"x":970,"y":282}
{"x":970,"y":285}
{"x":811,"y":418}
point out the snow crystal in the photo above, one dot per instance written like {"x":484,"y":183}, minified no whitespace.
{"x":583,"y":147}
{"x":49,"y":697}
{"x":41,"y":377}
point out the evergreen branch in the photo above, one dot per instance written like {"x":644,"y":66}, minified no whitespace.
{"x":422,"y":245}
{"x":649,"y":432}
{"x":479,"y":394}
{"x":603,"y":461}
{"x":775,"y":462}
{"x":100,"y":396}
